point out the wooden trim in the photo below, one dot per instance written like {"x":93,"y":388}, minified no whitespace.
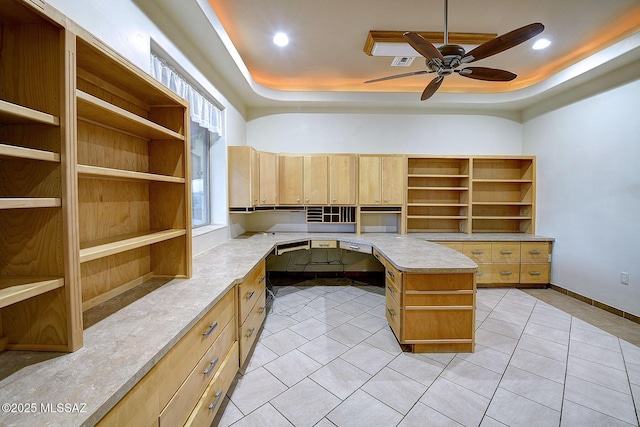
{"x":16,"y":289}
{"x":86,"y":305}
{"x":29,"y":202}
{"x":11,"y":113}
{"x":443,"y":341}
{"x":111,"y":246}
{"x":99,"y":172}
{"x":376,"y":36}
{"x":28,"y":153}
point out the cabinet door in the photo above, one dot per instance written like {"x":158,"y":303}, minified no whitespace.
{"x":393,"y":180}
{"x":316,"y":180}
{"x":370,"y":191}
{"x":342,"y":179}
{"x":290,"y":177}
{"x":268,"y":171}
{"x":243,"y":177}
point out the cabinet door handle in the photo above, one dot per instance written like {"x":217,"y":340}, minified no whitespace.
{"x":377,"y":201}
{"x":250,"y":332}
{"x":249,"y":295}
{"x":354,"y":247}
{"x":535,"y":252}
{"x":323,"y":245}
{"x":297,"y":200}
{"x":477,"y":252}
{"x":507,"y":252}
{"x":480,"y":273}
{"x":264,"y":200}
{"x":218,"y":395}
{"x":390,"y":273}
{"x":390,"y":289}
{"x":262,"y":309}
{"x":391,"y":312}
{"x":506,"y":273}
{"x":208,"y":332}
{"x":307,"y":200}
{"x":262,"y":279}
{"x":212,"y":366}
{"x":535,"y":273}
{"x":333,"y":200}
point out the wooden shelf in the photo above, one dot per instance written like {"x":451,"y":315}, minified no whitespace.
{"x":428,"y":205}
{"x":16,"y":114}
{"x":98,"y":249}
{"x":86,"y":171}
{"x":436,"y":217}
{"x":507,"y":181}
{"x":13,"y":151}
{"x":95,"y":110}
{"x":14,"y":289}
{"x":497,"y":217}
{"x":431,"y":175}
{"x":29,"y":202}
{"x":439,"y":188}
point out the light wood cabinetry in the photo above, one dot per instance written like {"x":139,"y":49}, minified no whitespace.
{"x":196,"y":372}
{"x":381,"y":180}
{"x":244,"y":177}
{"x":134,"y":193}
{"x":316,"y":180}
{"x":268,"y":173}
{"x":252,"y":309}
{"x":343,"y":176}
{"x":38,"y":265}
{"x":430,"y":312}
{"x":290,"y":179}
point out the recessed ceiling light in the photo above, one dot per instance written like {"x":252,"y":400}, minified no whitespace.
{"x":541,"y":44}
{"x":281,"y":39}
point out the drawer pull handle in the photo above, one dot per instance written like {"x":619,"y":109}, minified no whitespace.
{"x":354,"y":247}
{"x":480,"y":273}
{"x":507,"y":252}
{"x":212,"y":366}
{"x":210,"y":330}
{"x":249,"y":295}
{"x":390,"y":289}
{"x":218,"y":395}
{"x":535,"y":273}
{"x":391,"y":312}
{"x":506,"y":273}
{"x":477,"y":252}
{"x":262,"y":279}
{"x":250,"y":332}
{"x":390,"y":273}
{"x":535,"y":252}
{"x":323,"y":245}
{"x":262,"y":309}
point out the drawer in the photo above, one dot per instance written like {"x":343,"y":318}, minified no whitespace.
{"x":379,"y":257}
{"x":394,"y":314}
{"x":417,"y":298}
{"x":356,"y":247}
{"x":323,"y":244}
{"x":139,"y":407}
{"x":437,"y":282}
{"x":250,"y":328}
{"x":394,"y":275}
{"x":176,"y":366}
{"x":534,"y":273}
{"x":479,"y":252}
{"x":456,"y":246}
{"x":186,"y":398}
{"x":209,"y":404}
{"x":393,"y":291}
{"x":250,"y":290}
{"x":438,"y":324}
{"x":505,"y":252}
{"x":483,"y":275}
{"x":534,"y":252}
{"x":505,"y":273}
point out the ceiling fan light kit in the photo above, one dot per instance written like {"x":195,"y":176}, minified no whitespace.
{"x":446,"y":59}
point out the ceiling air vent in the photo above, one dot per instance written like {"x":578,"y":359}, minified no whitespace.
{"x":402,"y":61}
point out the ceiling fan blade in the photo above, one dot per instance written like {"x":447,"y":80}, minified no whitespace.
{"x":423,"y":46}
{"x":432,"y":88}
{"x":398,"y":76}
{"x":490,"y":74}
{"x":503,"y":42}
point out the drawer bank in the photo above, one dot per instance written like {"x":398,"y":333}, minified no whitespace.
{"x":169,"y":357}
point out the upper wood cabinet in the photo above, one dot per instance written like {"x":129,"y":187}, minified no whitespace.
{"x":381,"y":180}
{"x":316,"y":180}
{"x":244,"y":178}
{"x":290,"y":177}
{"x":343,"y":184}
{"x":268,"y":172}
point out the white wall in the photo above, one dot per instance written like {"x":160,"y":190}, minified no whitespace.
{"x":588,"y":197}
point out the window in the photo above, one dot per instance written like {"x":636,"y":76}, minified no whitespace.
{"x":206,"y":119}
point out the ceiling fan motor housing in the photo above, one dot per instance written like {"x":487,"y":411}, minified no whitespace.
{"x":452,"y":54}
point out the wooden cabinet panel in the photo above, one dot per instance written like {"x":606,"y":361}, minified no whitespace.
{"x":138,"y":407}
{"x":534,"y":273}
{"x":479,"y":252}
{"x":393,"y":179}
{"x":484,"y":274}
{"x":505,"y":273}
{"x":324,"y":244}
{"x":250,"y":290}
{"x":343,"y":181}
{"x":446,"y":324}
{"x":437,"y":282}
{"x":394,"y":316}
{"x":506,"y":252}
{"x":370,"y":181}
{"x":268,"y":172}
{"x":250,"y":328}
{"x":290,"y":179}
{"x":534,"y":252}
{"x":244,"y":189}
{"x":381,"y":180}
{"x":316,"y":180}
{"x":416,"y":298}
{"x":356,"y":247}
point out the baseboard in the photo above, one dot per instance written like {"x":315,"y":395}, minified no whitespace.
{"x":596,"y":303}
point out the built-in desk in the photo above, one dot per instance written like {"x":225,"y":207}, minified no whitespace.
{"x":128,"y":345}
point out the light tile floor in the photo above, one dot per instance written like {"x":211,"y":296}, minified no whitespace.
{"x":326,"y":357}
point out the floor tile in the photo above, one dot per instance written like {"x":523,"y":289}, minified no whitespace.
{"x":278,"y":322}
{"x":540,"y":365}
{"x":261,"y":355}
{"x":543,"y":347}
{"x":598,"y":374}
{"x":340,"y":296}
{"x":283,"y":342}
{"x":363,"y":410}
{"x":600,"y":399}
{"x":368,"y":358}
{"x":348,"y":334}
{"x":385,"y":340}
{"x":255,"y":389}
{"x":421,"y":415}
{"x":371,"y":300}
{"x":514,"y":410}
{"x":353,"y":308}
{"x":417,"y":367}
{"x":323,"y":303}
{"x":323,"y":349}
{"x":292,"y":367}
{"x":612,"y":358}
{"x":446,"y":397}
{"x":311,"y":328}
{"x":547,"y":333}
{"x":266,"y":415}
{"x":502,"y":327}
{"x":607,"y":341}
{"x":533,"y":387}
{"x":487,"y":358}
{"x":306,"y":403}
{"x":394,"y":389}
{"x":334,"y":317}
{"x":574,"y":415}
{"x":340,"y":378}
{"x":518,"y":319}
{"x":496,"y":341}
{"x":471,"y":376}
{"x":227,"y":414}
{"x":368,"y":322}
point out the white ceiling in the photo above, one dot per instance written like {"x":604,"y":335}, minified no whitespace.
{"x":325,"y":65}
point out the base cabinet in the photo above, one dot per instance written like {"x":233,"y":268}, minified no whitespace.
{"x":252,"y":309}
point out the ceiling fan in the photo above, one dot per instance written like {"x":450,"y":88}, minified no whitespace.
{"x":445,"y":59}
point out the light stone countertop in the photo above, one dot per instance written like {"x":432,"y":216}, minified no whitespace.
{"x":119,"y":350}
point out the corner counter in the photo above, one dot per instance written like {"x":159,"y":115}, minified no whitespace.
{"x":122,"y":348}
